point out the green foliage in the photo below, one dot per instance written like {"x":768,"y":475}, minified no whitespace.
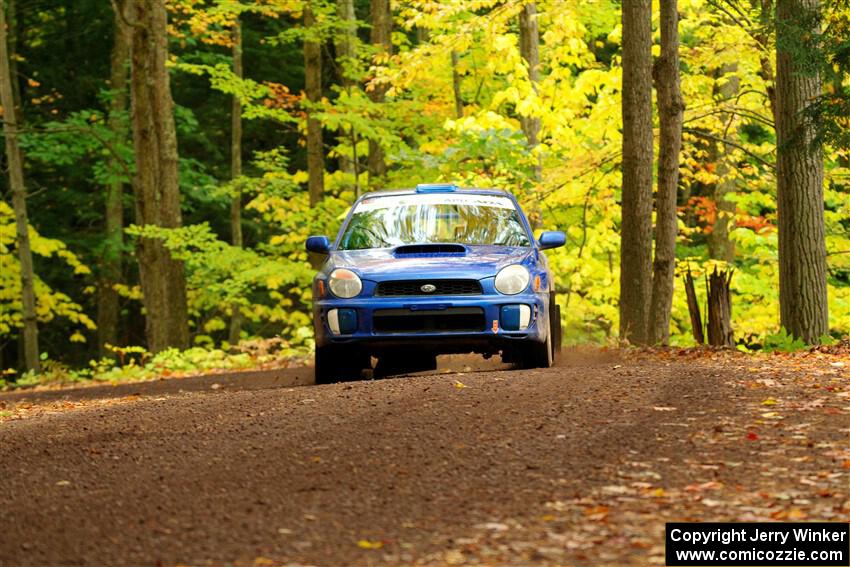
{"x":51,"y":304}
{"x":135,"y":363}
{"x":826,"y":54}
{"x":783,"y":342}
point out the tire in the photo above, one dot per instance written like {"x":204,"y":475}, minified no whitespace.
{"x":540,"y":355}
{"x":557,"y":337}
{"x":338,"y":364}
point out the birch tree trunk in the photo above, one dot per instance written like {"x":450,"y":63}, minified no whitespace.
{"x":313,"y":90}
{"x":670,"y":109}
{"x":108,"y":304}
{"x":156,"y":185}
{"x":19,"y":203}
{"x":381,"y":38}
{"x":802,"y":248}
{"x":636,"y":228}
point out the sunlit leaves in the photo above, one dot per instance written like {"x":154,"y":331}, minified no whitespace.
{"x":50,"y":303}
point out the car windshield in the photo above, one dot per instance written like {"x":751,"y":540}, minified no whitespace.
{"x":386,"y":222}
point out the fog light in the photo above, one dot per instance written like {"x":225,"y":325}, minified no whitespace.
{"x":515,"y":317}
{"x":342,"y":321}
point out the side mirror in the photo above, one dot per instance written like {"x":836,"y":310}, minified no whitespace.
{"x":552,"y":239}
{"x":318,"y":244}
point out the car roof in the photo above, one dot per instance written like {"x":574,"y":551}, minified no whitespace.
{"x":461,"y":191}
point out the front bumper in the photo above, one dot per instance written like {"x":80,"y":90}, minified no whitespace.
{"x":408,"y":327}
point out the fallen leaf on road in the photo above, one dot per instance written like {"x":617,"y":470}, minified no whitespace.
{"x":596,"y":513}
{"x":752,"y":436}
{"x":459,"y":385}
{"x":366,"y":544}
{"x":711,"y":485}
{"x":493,"y":526}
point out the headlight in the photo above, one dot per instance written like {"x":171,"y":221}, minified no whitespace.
{"x":344,"y":283}
{"x":512,"y":280}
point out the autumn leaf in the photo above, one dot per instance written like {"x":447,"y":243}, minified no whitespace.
{"x":368,"y":544}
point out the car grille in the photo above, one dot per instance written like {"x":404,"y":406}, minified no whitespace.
{"x":414,"y":287}
{"x":456,"y":319}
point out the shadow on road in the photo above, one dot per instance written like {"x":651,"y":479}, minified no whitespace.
{"x":276,"y":378}
{"x":233,"y":381}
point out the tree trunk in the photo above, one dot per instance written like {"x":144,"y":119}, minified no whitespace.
{"x":313,"y":90}
{"x":346,"y":51}
{"x":236,"y":172}
{"x":802,"y":250}
{"x":720,"y":245}
{"x":12,"y":48}
{"x":156,"y":185}
{"x":456,"y":79}
{"x":693,"y":308}
{"x":529,"y":43}
{"x":670,"y":109}
{"x":19,"y":203}
{"x":762,"y":36}
{"x":381,"y":38}
{"x":636,"y":235}
{"x":108,"y":304}
{"x":719,"y":308}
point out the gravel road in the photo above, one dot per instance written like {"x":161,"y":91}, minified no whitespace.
{"x":581,"y":463}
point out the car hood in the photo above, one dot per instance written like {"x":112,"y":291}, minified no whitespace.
{"x":383,"y":264}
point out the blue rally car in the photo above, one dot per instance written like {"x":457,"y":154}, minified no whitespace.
{"x":434,"y":270}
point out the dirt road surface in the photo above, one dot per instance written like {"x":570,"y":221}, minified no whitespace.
{"x":578,"y":464}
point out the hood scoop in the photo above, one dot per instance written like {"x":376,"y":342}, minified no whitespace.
{"x":429,"y":250}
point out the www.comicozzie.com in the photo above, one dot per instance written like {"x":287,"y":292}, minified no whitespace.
{"x":806,"y":544}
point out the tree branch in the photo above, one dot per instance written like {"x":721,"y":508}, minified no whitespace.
{"x":707,"y":136}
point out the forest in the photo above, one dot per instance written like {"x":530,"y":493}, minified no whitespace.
{"x":165,"y":160}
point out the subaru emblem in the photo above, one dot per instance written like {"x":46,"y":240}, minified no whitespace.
{"x":428,"y":288}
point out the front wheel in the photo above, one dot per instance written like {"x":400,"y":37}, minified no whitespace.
{"x":540,"y":355}
{"x":558,"y":332}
